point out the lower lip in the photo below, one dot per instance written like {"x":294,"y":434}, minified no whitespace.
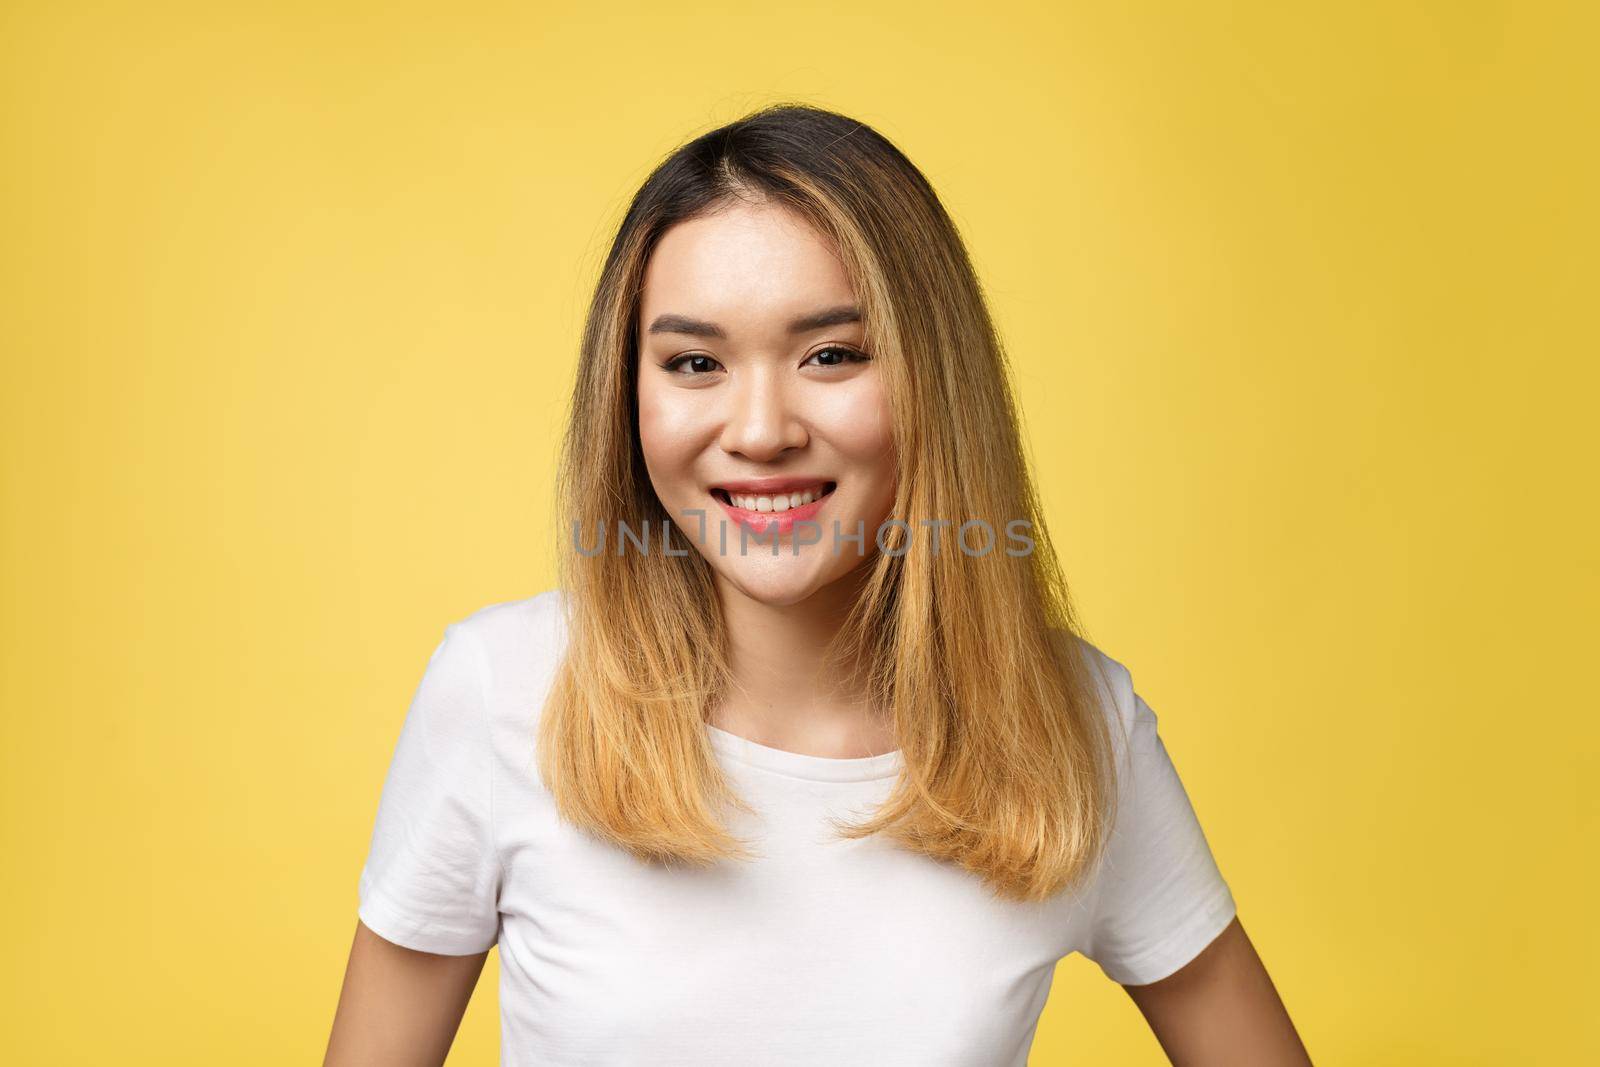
{"x":764,"y":522}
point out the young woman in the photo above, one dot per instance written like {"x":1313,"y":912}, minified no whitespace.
{"x":805,"y":761}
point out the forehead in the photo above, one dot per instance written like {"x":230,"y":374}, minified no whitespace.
{"x":748,"y":267}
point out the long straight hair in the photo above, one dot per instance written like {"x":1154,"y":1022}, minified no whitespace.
{"x":975,"y":660}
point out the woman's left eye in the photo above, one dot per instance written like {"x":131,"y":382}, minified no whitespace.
{"x":841,"y":356}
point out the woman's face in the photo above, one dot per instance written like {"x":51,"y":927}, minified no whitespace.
{"x":753,"y":418}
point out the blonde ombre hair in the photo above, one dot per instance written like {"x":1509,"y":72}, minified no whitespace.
{"x":974,"y":660}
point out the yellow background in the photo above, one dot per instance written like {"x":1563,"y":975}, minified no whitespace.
{"x":1301,"y":299}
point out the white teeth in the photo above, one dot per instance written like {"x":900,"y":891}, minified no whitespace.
{"x":779,"y":502}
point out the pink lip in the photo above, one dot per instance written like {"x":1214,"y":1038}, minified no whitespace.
{"x":763,"y":522}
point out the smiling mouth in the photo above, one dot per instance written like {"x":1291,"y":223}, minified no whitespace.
{"x":774,"y":503}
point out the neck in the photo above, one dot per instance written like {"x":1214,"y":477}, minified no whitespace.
{"x":786,"y":693}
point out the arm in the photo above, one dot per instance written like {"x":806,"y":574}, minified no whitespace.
{"x":1221,"y":1008}
{"x":399,"y":1007}
{"x":429,"y":889}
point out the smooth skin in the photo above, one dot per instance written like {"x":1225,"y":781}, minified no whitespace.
{"x":759,"y":399}
{"x":749,"y":396}
{"x":1221,"y":1008}
{"x":399,"y":1007}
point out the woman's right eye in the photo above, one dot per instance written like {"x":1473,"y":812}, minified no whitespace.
{"x":697,"y":363}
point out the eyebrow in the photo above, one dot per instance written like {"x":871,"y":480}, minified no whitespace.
{"x":834,"y":316}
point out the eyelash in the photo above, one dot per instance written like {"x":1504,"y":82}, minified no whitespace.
{"x":851,"y":356}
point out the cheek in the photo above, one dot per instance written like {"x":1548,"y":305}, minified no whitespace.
{"x":861,"y":428}
{"x":855,"y":416}
{"x":669,"y":433}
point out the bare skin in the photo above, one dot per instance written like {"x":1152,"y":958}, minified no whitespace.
{"x":758,"y":399}
{"x":399,"y":1007}
{"x":1221,"y":1008}
{"x":786,"y":694}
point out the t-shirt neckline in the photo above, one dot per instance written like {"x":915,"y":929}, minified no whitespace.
{"x":800,"y":765}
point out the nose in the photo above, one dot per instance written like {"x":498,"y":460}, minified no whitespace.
{"x":761,"y":423}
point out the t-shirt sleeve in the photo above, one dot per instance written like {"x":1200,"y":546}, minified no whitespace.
{"x":431,"y":879}
{"x":1159,"y":897}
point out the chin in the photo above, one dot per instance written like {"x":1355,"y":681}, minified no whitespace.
{"x":782,"y":582}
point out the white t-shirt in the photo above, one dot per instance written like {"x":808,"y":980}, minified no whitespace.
{"x":824,"y":951}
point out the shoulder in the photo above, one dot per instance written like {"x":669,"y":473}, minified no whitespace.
{"x":519,"y":642}
{"x":1110,"y":680}
{"x":532,"y":623}
{"x":1132,"y":724}
{"x":517,"y":639}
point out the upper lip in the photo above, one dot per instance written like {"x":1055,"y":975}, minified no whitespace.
{"x":776,"y":484}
